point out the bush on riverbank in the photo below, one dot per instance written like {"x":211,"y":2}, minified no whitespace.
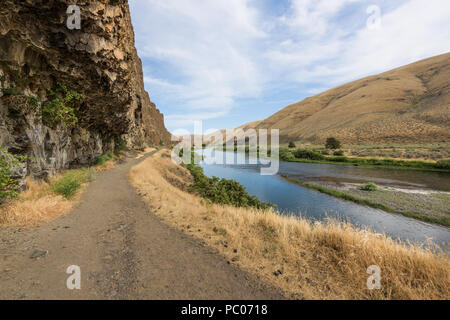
{"x":369,"y":187}
{"x":443,"y":164}
{"x":308,"y":154}
{"x":223,"y":191}
{"x":286,"y":155}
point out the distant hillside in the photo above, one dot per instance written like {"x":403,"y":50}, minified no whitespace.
{"x":405,"y":105}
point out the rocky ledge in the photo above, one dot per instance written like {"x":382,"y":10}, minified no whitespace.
{"x":88,"y":81}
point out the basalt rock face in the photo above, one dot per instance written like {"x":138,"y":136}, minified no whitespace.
{"x":39,"y":52}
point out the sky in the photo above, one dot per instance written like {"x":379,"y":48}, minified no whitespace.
{"x":229,"y":62}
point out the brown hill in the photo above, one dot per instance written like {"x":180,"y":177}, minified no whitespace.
{"x":404,"y":105}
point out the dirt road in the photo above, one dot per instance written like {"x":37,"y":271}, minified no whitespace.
{"x":123,"y":251}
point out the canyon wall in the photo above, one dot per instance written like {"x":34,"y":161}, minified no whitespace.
{"x":40,"y":55}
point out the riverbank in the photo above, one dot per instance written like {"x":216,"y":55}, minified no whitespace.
{"x":432,"y":151}
{"x":307,"y":261}
{"x":313,"y":156}
{"x":428,"y":206}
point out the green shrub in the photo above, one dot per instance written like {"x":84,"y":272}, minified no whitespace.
{"x":292,"y":145}
{"x":120,"y":145}
{"x":332,"y":143}
{"x":308,"y":154}
{"x":325,"y":152}
{"x":9,"y":186}
{"x":286,"y":155}
{"x":443,"y":164}
{"x":338,"y":153}
{"x":62,"y":107}
{"x":223,"y":191}
{"x":70,"y":182}
{"x":369,"y":187}
{"x":104,"y":158}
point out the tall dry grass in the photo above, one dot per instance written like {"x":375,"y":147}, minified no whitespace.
{"x":318,"y":261}
{"x":35,"y":205}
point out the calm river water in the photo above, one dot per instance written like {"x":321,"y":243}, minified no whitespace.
{"x":291,"y":198}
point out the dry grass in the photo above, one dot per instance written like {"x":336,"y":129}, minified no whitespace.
{"x":144,"y":152}
{"x":35,"y":205}
{"x":108,"y":165}
{"x":319,"y":261}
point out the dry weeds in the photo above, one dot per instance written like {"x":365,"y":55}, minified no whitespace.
{"x":35,"y":205}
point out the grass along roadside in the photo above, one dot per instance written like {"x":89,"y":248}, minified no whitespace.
{"x":43,"y":202}
{"x":304,"y":259}
{"x":342,"y":195}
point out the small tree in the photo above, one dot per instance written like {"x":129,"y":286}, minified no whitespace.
{"x":332,"y":143}
{"x":291,"y":144}
{"x":9,"y":163}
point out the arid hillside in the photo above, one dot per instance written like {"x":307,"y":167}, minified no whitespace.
{"x":404,"y":105}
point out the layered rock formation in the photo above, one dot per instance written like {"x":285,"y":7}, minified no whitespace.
{"x":38,"y":51}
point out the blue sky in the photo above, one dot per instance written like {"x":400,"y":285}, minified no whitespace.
{"x":228,"y":62}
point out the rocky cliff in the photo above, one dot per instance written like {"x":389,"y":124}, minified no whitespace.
{"x":69,"y":96}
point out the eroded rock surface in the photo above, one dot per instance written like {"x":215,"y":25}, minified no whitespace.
{"x":38,"y":51}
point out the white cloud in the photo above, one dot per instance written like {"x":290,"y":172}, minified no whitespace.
{"x":206,"y":55}
{"x":413,"y":31}
{"x":208,"y":47}
{"x":313,"y":17}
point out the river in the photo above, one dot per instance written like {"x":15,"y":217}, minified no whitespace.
{"x":291,"y":198}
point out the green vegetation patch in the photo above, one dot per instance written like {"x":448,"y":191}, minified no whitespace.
{"x":120,"y":145}
{"x":443,"y":164}
{"x":369,"y":187}
{"x":223,"y":191}
{"x":9,"y":187}
{"x":307,"y":155}
{"x":70,"y":182}
{"x":332,"y":143}
{"x":62,"y":107}
{"x":104,"y":158}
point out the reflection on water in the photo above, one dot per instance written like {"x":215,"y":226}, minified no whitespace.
{"x":294,"y":199}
